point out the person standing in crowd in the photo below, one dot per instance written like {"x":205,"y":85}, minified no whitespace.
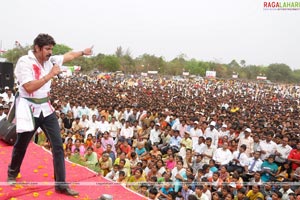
{"x":34,"y":73}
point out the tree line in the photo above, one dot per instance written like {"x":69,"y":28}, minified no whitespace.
{"x":122,"y":60}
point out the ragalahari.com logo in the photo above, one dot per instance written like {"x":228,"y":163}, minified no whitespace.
{"x":282,"y":5}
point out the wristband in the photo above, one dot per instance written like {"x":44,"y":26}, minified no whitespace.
{"x":82,"y":53}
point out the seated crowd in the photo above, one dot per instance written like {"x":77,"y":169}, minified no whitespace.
{"x":168,"y":140}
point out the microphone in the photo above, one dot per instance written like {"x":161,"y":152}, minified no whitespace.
{"x":52,"y":60}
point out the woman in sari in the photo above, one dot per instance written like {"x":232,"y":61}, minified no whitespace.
{"x":135,"y":180}
{"x":255,"y":193}
{"x":178,"y":175}
{"x":105,"y":164}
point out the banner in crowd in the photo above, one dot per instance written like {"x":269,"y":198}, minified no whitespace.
{"x":235,"y":76}
{"x":185,"y":73}
{"x":210,"y":74}
{"x":261,"y":78}
{"x":69,"y":70}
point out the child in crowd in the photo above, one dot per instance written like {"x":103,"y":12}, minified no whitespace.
{"x":143,"y":190}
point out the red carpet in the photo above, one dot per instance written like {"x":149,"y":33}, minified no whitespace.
{"x":36,"y":180}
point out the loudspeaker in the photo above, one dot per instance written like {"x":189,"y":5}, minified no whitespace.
{"x":6,"y":75}
{"x":8,"y":132}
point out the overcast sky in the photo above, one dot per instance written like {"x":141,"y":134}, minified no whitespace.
{"x":211,"y":30}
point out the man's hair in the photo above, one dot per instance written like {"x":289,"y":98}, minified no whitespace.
{"x":180,"y":161}
{"x":200,"y":187}
{"x":43,"y":39}
{"x":217,"y":173}
{"x":122,"y":160}
{"x":90,"y":148}
{"x":269,"y":133}
{"x":132,"y":154}
{"x":243,"y":146}
{"x":153,"y":191}
{"x":116,"y":165}
{"x":122,"y":173}
{"x":140,"y":170}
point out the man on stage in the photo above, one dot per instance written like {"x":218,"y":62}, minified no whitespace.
{"x":34,"y":73}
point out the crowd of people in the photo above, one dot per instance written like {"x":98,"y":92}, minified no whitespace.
{"x":6,"y":99}
{"x":213,"y":139}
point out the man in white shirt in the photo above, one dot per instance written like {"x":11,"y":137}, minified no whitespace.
{"x":93,"y":111}
{"x":175,"y":141}
{"x":4,"y":94}
{"x":195,"y":133}
{"x":176,"y":124}
{"x":223,"y":155}
{"x":282,"y":151}
{"x":199,"y":193}
{"x":84,"y":110}
{"x":65,"y":107}
{"x":127,"y":132}
{"x":154,"y":134}
{"x":285,"y":190}
{"x":267,"y":147}
{"x":114,"y":128}
{"x":84,"y":122}
{"x":199,"y":148}
{"x":127,"y":113}
{"x":240,"y":160}
{"x":103,"y":125}
{"x":182,"y":127}
{"x":9,"y":97}
{"x":248,"y":141}
{"x":92,"y":127}
{"x":208,"y":150}
{"x":76,"y":109}
{"x":223,"y":131}
{"x":2,"y":114}
{"x":254,"y":165}
{"x":117,"y":113}
{"x":34,"y":73}
{"x":212,"y":133}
